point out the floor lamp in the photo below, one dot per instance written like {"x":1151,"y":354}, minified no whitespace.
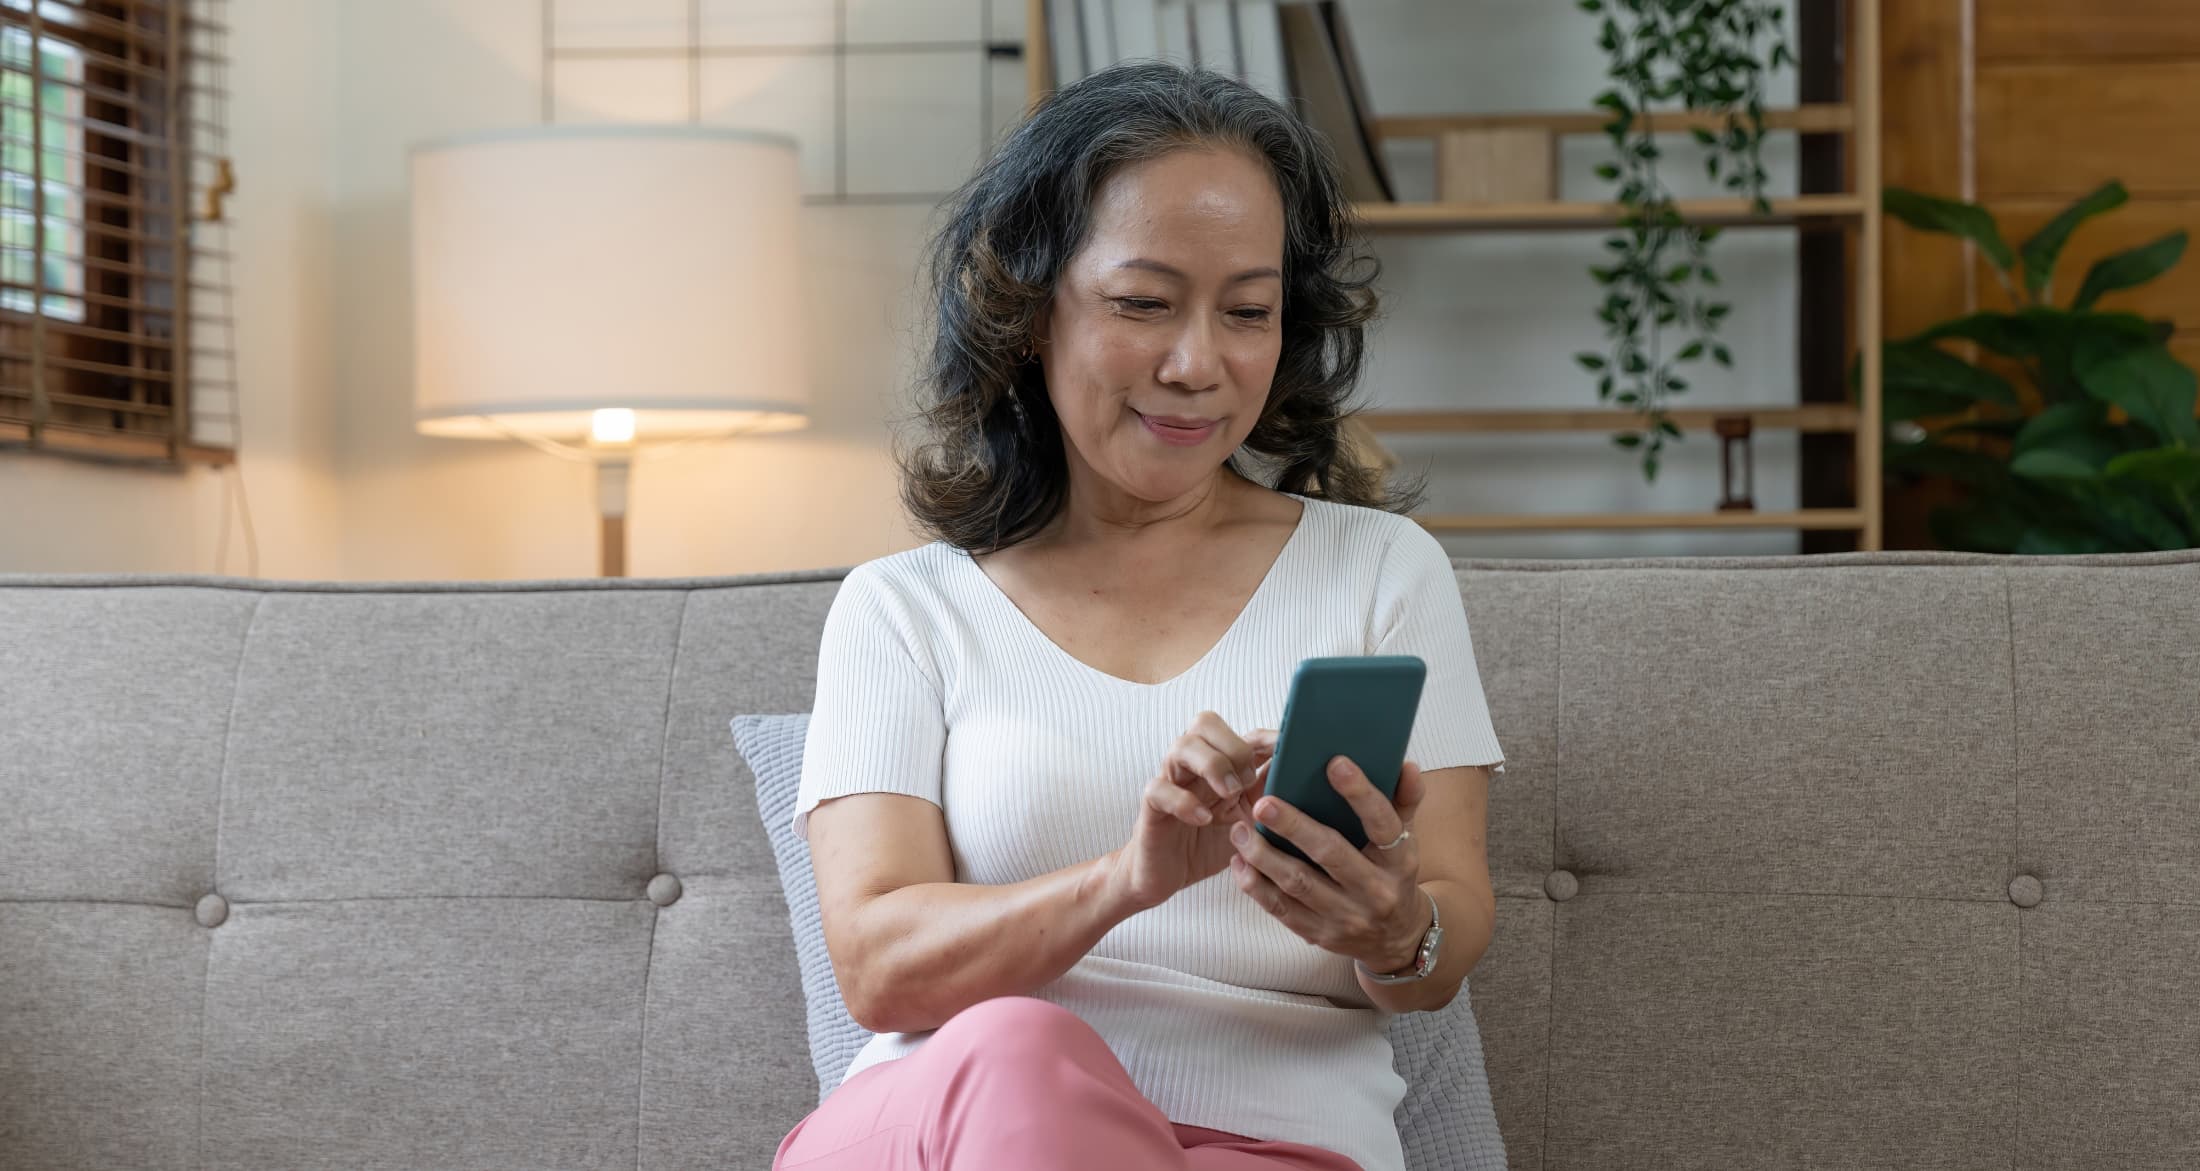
{"x":601,"y":293}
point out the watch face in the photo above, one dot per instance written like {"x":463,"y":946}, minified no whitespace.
{"x":1429,"y":943}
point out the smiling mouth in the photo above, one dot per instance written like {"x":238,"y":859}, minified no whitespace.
{"x":1176,"y":429}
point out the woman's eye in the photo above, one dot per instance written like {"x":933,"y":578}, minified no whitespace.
{"x":1149,"y":304}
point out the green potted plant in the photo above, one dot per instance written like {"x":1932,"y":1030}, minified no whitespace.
{"x":2054,"y":471}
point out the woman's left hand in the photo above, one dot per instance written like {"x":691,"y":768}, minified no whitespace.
{"x":1368,"y":904}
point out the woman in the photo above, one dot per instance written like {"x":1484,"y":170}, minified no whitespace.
{"x":1039,"y":741}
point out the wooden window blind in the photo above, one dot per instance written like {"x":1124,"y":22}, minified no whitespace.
{"x":99,"y":269}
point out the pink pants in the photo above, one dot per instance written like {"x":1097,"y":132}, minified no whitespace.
{"x":1017,"y":1084}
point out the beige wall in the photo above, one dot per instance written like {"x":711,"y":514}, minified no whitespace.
{"x":330,"y":93}
{"x":70,"y":516}
{"x":421,"y":508}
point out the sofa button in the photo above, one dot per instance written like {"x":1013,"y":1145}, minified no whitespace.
{"x":664,"y":890}
{"x":2025,"y":891}
{"x":212,"y":911}
{"x":1561,"y":885}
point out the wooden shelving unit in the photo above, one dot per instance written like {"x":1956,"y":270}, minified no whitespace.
{"x":1817,"y":118}
{"x":1801,"y":211}
{"x":1813,"y":418}
{"x":1497,"y":173}
{"x":1809,"y":518}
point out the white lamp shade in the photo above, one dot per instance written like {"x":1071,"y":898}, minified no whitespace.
{"x":561,"y":271}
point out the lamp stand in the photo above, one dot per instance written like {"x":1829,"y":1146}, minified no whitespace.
{"x":612,"y":468}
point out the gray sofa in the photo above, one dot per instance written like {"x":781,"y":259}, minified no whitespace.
{"x":1869,"y":860}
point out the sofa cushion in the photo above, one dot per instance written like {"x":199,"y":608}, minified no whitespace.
{"x":1446,"y":1121}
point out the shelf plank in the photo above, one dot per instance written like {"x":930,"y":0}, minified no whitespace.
{"x":1851,"y":519}
{"x":1821,"y":118}
{"x":1815,"y":418}
{"x":1469,"y":217}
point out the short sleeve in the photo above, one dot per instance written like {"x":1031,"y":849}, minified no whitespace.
{"x":878,"y":724}
{"x":1418,"y":611}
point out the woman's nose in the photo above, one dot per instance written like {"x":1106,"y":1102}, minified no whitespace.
{"x":1194,"y":362}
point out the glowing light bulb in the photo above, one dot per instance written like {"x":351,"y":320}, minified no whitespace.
{"x":612,"y":425}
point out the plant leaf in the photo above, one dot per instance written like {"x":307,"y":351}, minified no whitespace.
{"x":1933,"y":214}
{"x":1991,"y":525}
{"x":2046,"y":244}
{"x":2153,"y":387}
{"x":2127,"y":509}
{"x":2050,"y":464}
{"x":2003,"y":333}
{"x":2174,"y":468}
{"x":1935,"y":459}
{"x":2135,"y":266}
{"x":2049,"y":335}
{"x":1920,"y":379}
{"x":2077,"y":430}
{"x":2004,"y":428}
{"x":2039,"y":539}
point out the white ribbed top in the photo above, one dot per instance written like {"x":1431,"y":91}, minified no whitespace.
{"x":931,"y":683}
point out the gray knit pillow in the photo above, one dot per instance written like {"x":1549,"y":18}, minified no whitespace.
{"x":1445,"y":1121}
{"x":773,"y":747}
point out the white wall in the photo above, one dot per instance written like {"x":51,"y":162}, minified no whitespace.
{"x":331,"y":93}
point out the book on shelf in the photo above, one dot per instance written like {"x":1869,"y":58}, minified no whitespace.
{"x":1214,"y":35}
{"x":1260,"y":47}
{"x":1174,"y":19}
{"x":1099,"y":28}
{"x":1137,"y":27}
{"x":1240,"y":38}
{"x":1066,"y":40}
{"x":1299,"y":52}
{"x":1325,"y":78}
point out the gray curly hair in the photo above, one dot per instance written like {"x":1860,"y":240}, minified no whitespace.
{"x":986,"y":467}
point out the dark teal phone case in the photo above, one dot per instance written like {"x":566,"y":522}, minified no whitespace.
{"x":1356,"y":706}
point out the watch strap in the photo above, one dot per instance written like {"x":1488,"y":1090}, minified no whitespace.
{"x":1424,"y":960}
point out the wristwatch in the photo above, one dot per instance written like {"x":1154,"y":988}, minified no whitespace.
{"x":1424,"y":961}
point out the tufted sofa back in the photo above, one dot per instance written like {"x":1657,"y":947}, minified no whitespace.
{"x":1867,"y":860}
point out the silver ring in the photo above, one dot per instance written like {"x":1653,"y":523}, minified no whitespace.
{"x":1399,"y":841}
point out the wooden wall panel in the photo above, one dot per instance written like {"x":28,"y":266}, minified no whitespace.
{"x":2057,"y":129}
{"x":2064,"y":30}
{"x":2175,"y":294}
{"x":2064,"y":95}
{"x":1922,"y":113}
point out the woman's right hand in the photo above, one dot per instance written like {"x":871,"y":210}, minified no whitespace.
{"x":1208,"y":782}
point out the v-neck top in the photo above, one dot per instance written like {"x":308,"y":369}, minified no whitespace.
{"x":1016,"y":616}
{"x":931,"y":683}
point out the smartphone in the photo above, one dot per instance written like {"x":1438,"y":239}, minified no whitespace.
{"x":1356,"y":706}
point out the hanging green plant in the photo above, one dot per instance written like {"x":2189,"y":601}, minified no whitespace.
{"x":1706,"y":55}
